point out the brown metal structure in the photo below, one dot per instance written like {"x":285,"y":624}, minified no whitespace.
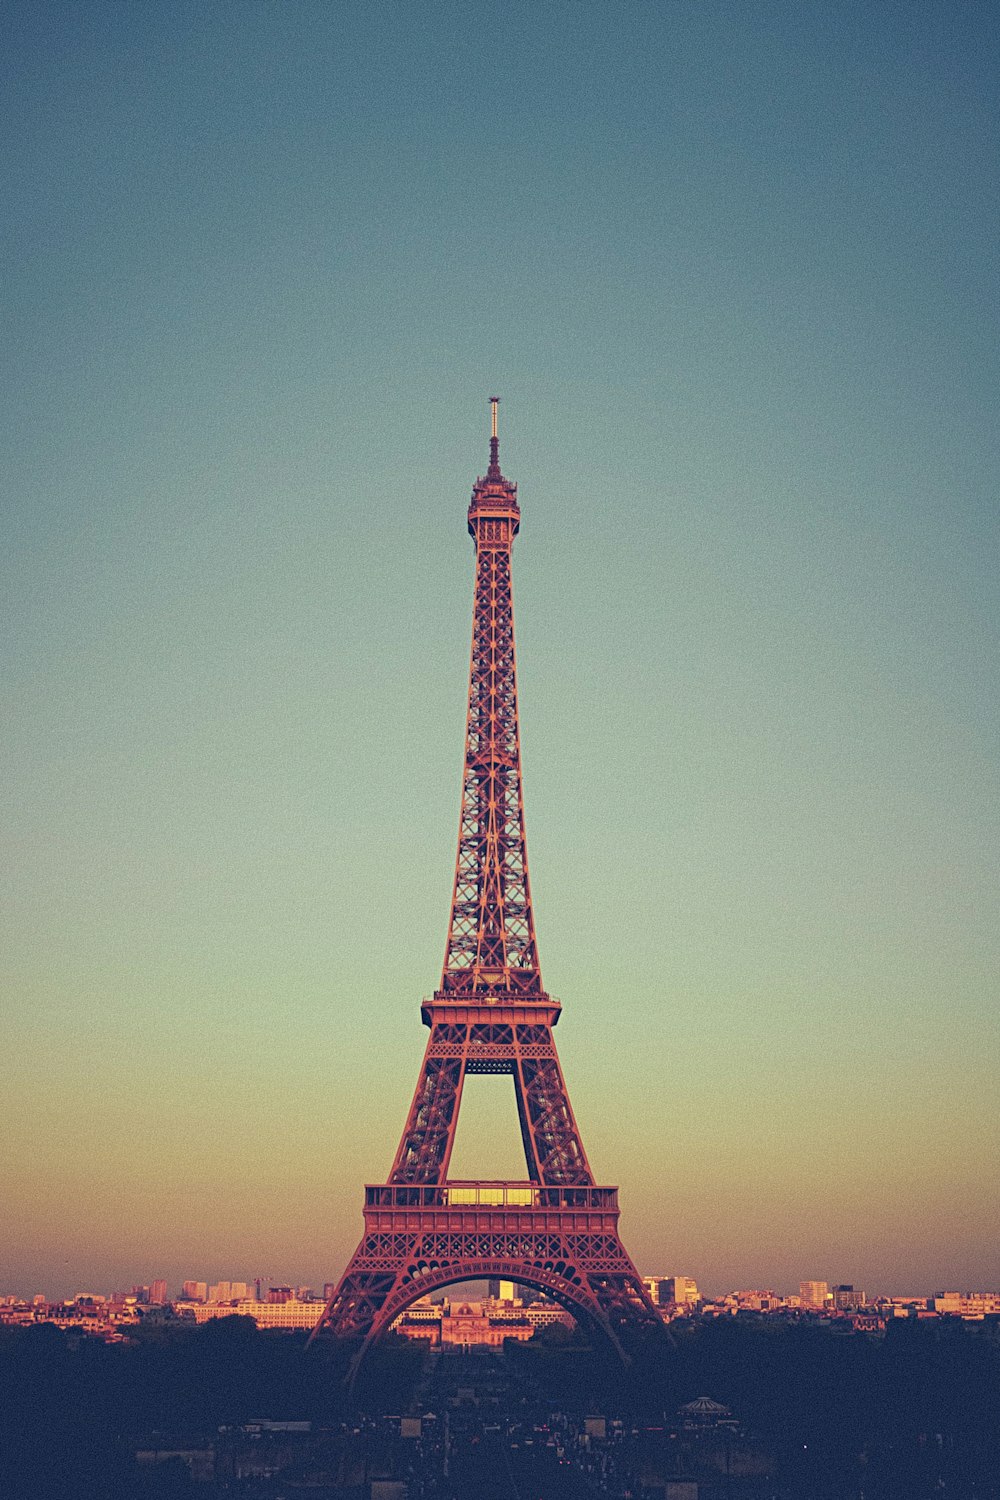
{"x":556,"y":1231}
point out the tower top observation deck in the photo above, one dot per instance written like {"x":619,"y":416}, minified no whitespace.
{"x":493,"y":496}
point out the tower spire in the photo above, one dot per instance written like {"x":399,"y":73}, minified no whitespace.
{"x":493,"y":472}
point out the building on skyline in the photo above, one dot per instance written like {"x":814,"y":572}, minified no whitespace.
{"x":423,"y":1311}
{"x":194,"y":1291}
{"x":672,"y":1291}
{"x":157,"y":1292}
{"x":753,"y":1300}
{"x":466,"y":1324}
{"x":847,"y":1299}
{"x":544,"y":1314}
{"x":289,"y":1314}
{"x":229,"y":1291}
{"x":502,"y":1291}
{"x":814,"y":1294}
{"x":969,"y":1305}
{"x":682,"y":1291}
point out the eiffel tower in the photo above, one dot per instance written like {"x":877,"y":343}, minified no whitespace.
{"x":556,"y":1231}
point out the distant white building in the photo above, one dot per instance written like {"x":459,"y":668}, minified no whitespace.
{"x":544,"y":1314}
{"x":290,"y":1314}
{"x":969,"y":1305}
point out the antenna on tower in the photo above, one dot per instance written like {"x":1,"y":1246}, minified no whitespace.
{"x":494,"y":469}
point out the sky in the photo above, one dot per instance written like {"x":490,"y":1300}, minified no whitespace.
{"x":732,"y":270}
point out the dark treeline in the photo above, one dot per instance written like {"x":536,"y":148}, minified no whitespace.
{"x":74,"y":1410}
{"x":914,"y":1414}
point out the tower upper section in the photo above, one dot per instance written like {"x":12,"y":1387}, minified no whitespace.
{"x":491,"y":953}
{"x":494,"y":514}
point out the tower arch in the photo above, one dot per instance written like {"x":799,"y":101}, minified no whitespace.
{"x":575,"y":1299}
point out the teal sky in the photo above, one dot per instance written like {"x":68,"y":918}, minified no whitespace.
{"x":733,"y":270}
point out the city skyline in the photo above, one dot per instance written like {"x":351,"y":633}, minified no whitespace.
{"x":734,"y":281}
{"x":685,"y":1291}
{"x":223,"y":1288}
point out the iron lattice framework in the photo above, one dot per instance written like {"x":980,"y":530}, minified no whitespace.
{"x":558,"y":1231}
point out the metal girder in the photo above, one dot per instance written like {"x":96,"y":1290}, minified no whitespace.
{"x":552,"y":1147}
{"x":491,"y":947}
